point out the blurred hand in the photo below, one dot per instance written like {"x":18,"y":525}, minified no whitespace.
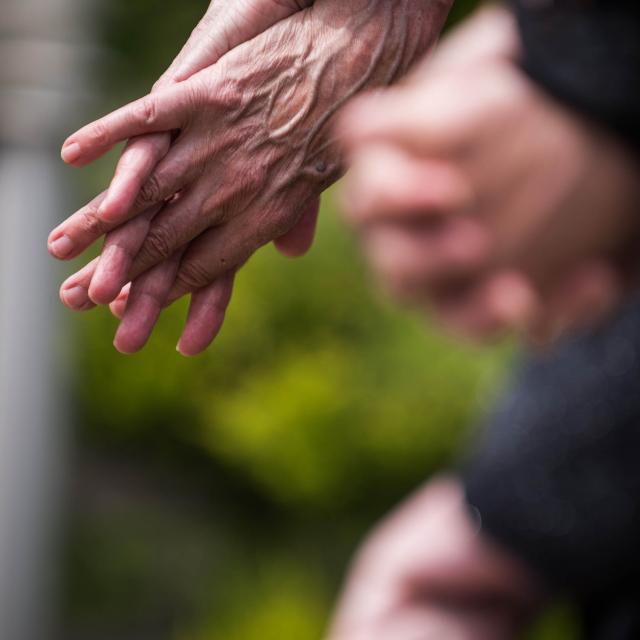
{"x":427,"y":574}
{"x":253,"y":154}
{"x":478,"y":196}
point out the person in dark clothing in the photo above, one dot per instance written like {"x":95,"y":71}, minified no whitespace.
{"x":548,"y":501}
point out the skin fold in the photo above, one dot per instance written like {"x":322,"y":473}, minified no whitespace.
{"x":255,"y":149}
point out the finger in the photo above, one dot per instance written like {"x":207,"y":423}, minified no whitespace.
{"x":69,"y":239}
{"x":138,"y":160}
{"x":146,"y":300}
{"x":298,"y":241}
{"x":411,"y":262}
{"x":164,"y":110}
{"x":206,"y":315}
{"x":487,"y":308}
{"x":74,"y":292}
{"x":119,"y":305}
{"x":385,"y":183}
{"x":84,"y":227}
{"x":180,"y":222}
{"x":120,"y":248}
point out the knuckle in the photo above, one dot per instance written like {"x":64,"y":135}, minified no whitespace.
{"x":159,"y":244}
{"x":91,"y":225}
{"x":146,"y":112}
{"x":150,"y":192}
{"x":193,"y":275}
{"x":99,"y":135}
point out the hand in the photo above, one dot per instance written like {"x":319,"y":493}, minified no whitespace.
{"x":223,"y":27}
{"x":427,"y":574}
{"x":254,"y":148}
{"x":478,"y":196}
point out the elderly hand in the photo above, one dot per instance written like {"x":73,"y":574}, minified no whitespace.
{"x":223,"y":27}
{"x":426,"y":573}
{"x":478,"y":196}
{"x":254,"y":151}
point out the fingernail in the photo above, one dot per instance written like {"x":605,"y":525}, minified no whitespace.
{"x":181,"y":351}
{"x":121,"y":350}
{"x":70,"y":152}
{"x":62,"y":247}
{"x":76,"y":297}
{"x":121,"y":345}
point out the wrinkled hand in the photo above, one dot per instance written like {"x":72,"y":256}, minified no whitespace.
{"x":482,"y":199}
{"x":223,"y":27}
{"x":427,"y":574}
{"x":253,"y":153}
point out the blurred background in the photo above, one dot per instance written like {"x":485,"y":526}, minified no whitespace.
{"x":207,"y":499}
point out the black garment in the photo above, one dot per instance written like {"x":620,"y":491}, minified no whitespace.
{"x":556,"y":478}
{"x":587,"y":54}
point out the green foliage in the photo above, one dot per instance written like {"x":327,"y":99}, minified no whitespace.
{"x":284,"y":602}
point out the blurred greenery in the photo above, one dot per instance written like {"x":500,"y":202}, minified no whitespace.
{"x":221,"y":497}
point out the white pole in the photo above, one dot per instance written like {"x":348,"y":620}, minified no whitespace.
{"x":40,"y":50}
